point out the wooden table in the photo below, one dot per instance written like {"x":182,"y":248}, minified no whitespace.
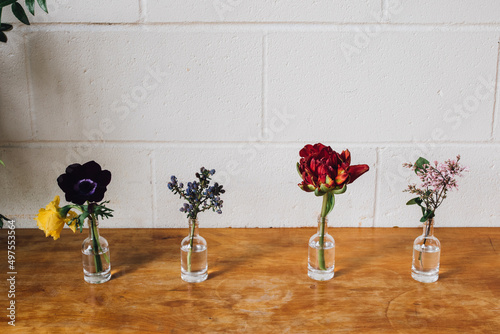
{"x":257,"y":283}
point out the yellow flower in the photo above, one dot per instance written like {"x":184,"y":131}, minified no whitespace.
{"x":50,"y":221}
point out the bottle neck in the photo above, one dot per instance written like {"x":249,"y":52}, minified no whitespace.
{"x":429,"y":228}
{"x":322,"y":226}
{"x":93,"y":228}
{"x":193,"y":227}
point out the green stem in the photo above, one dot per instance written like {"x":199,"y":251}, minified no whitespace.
{"x":190,"y":252}
{"x":427,"y":231}
{"x":321,"y":249}
{"x":96,"y":245}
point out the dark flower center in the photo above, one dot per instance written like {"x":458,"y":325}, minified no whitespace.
{"x":85,"y":187}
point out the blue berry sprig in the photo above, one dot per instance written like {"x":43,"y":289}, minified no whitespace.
{"x":199,"y":194}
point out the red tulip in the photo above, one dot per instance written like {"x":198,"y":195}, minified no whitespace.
{"x":323,"y":170}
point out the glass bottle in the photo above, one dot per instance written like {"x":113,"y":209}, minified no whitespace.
{"x":426,"y":252}
{"x":95,"y":256}
{"x":194,"y":265}
{"x":321,"y":260}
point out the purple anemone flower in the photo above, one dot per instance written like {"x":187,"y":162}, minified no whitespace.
{"x":85,"y":182}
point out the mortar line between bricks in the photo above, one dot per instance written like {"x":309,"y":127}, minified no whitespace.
{"x":154,"y":203}
{"x":384,"y":7}
{"x":264,"y":115}
{"x":377,"y":182}
{"x":29,"y":83}
{"x":143,"y":6}
{"x":261,"y":27}
{"x":495,"y":96}
{"x":235,"y":144}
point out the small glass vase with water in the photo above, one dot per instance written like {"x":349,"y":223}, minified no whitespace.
{"x":194,"y":267}
{"x":426,"y":253}
{"x":321,"y":259}
{"x":95,"y":256}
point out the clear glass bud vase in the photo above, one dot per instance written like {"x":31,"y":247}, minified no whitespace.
{"x":194,"y":265}
{"x":426,"y":253}
{"x":321,"y":261}
{"x":95,"y":256}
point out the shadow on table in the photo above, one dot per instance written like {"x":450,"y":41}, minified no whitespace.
{"x":448,"y":273}
{"x":223,"y":266}
{"x":131,"y":261}
{"x":232,"y":260}
{"x":129,"y":264}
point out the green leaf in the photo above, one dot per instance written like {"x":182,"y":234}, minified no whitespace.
{"x":415,"y":200}
{"x":330,"y":203}
{"x":5,"y":3}
{"x":5,"y":26}
{"x":298,"y":169}
{"x":324,"y":188}
{"x":1,"y":163}
{"x":30,"y":4}
{"x":82,"y":218}
{"x":2,"y":218}
{"x":63,"y":211}
{"x":340,"y":191}
{"x":428,"y":214}
{"x":419,"y":164}
{"x":318,"y":192}
{"x":19,"y":12}
{"x":43,"y":5}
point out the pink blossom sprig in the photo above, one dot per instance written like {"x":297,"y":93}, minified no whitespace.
{"x":437,"y":180}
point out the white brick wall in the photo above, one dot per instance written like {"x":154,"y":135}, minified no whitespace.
{"x":151,"y":88}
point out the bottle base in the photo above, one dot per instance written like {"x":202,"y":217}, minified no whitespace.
{"x":424,"y":278}
{"x":320,"y":275}
{"x":194,"y":277}
{"x":98,"y":278}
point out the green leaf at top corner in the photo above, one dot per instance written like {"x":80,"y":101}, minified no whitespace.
{"x":19,"y":12}
{"x":419,"y":164}
{"x":30,"y":4}
{"x":5,"y":3}
{"x":43,"y":5}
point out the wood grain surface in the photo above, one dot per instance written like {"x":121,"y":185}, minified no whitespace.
{"x":257,"y":283}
